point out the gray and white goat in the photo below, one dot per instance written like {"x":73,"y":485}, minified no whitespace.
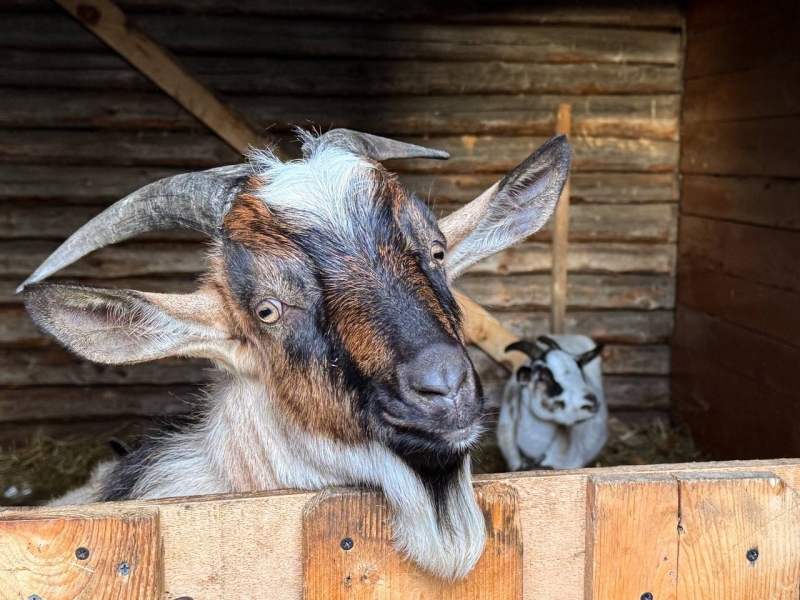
{"x":554,"y":414}
{"x":327,"y":310}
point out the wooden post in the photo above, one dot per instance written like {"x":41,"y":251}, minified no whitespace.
{"x":109,"y":23}
{"x":561,"y":237}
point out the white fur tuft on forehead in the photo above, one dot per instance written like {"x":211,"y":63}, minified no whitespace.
{"x":331,"y":187}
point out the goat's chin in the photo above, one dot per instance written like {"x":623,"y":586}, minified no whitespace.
{"x":440,"y":528}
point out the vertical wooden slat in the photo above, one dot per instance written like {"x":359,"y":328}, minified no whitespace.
{"x":740,"y":537}
{"x":561,"y":235}
{"x":372,"y":569}
{"x":90,"y":558}
{"x":632,"y":537}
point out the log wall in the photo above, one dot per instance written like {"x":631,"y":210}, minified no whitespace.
{"x":737,"y":333}
{"x":79,"y":129}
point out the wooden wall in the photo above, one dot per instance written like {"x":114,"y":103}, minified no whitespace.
{"x":79,"y":129}
{"x":736,"y":355}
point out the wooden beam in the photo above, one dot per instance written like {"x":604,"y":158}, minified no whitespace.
{"x":109,"y":23}
{"x":561,"y":235}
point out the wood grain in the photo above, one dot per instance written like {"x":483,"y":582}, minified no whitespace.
{"x":560,"y":236}
{"x":371,"y":569}
{"x":631,"y":537}
{"x":38,"y":556}
{"x":723,"y":517}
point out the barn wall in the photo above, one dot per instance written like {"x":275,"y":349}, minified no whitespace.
{"x":79,"y":129}
{"x":737,"y":335}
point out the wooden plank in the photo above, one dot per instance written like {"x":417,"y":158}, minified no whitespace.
{"x":721,"y":408}
{"x":738,"y":537}
{"x":588,"y":223}
{"x":40,"y":557}
{"x":37,"y":68}
{"x":469,"y":154}
{"x":630,"y":327}
{"x":251,"y":36}
{"x":266,"y":530}
{"x":756,"y":307}
{"x":769,"y":362}
{"x":760,"y":148}
{"x":643,"y":292}
{"x":767,"y":91}
{"x":560,"y":236}
{"x":756,"y":200}
{"x":103,"y":185}
{"x":762,"y":255}
{"x":631,"y":537}
{"x":108,"y":22}
{"x":619,"y":116}
{"x":742,"y":44}
{"x":70,"y":403}
{"x":371,"y":569}
{"x":712,"y":13}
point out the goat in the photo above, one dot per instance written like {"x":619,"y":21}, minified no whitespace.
{"x":553,"y":414}
{"x":327,"y":309}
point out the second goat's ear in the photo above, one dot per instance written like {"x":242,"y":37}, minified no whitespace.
{"x":510,"y":210}
{"x":116,"y":326}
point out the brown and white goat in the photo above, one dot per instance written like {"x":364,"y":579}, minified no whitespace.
{"x":327,"y":309}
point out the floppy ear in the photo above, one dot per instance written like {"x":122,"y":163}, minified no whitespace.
{"x":509,"y":211}
{"x":115,"y":326}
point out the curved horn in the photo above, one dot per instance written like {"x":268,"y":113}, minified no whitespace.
{"x":192,"y":201}
{"x":527,"y":347}
{"x":549,"y":342}
{"x":377,"y":148}
{"x":588,"y":356}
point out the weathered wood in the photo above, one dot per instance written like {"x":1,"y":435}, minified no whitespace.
{"x":370,"y":569}
{"x":753,"y":94}
{"x":631,"y":537}
{"x":757,"y":200}
{"x":332,"y":39}
{"x":710,"y":14}
{"x":560,"y":236}
{"x":760,"y":308}
{"x":86,"y":403}
{"x":588,"y":223}
{"x":725,"y":521}
{"x":469,"y":154}
{"x":767,"y":256}
{"x":771,"y":363}
{"x":109,"y":23}
{"x":722,"y":409}
{"x":38,"y":557}
{"x":642,"y":292}
{"x":630,"y":327}
{"x":351,"y":77}
{"x":620,"y":116}
{"x":761,"y":148}
{"x":266,"y":530}
{"x":102,"y":185}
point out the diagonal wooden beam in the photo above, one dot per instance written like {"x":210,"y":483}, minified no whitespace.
{"x":109,"y":23}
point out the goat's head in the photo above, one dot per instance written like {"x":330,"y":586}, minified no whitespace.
{"x":328,"y":285}
{"x":554,"y":379}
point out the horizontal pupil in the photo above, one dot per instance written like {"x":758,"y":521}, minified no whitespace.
{"x":265,"y":312}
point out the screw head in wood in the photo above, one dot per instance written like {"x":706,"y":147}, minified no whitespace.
{"x":124,"y":568}
{"x":752,"y":554}
{"x":347,"y":543}
{"x":646,"y":596}
{"x":82,"y":553}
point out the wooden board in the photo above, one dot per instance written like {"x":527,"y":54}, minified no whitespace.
{"x":82,"y":558}
{"x":229,"y":546}
{"x":631,"y":537}
{"x":560,"y":236}
{"x":371,"y":570}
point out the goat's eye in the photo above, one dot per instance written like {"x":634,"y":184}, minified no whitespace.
{"x":545,"y":375}
{"x":269,"y":311}
{"x":437,"y":252}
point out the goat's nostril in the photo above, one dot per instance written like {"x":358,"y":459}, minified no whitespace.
{"x":591,"y":398}
{"x":559,"y":405}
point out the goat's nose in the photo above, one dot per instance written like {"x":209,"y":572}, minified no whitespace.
{"x":438,"y":371}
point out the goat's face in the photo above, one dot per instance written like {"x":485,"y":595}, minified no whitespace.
{"x":336,"y":284}
{"x":554,"y":385}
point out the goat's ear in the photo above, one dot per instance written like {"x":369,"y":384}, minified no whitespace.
{"x":123,"y":326}
{"x":509,"y":211}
